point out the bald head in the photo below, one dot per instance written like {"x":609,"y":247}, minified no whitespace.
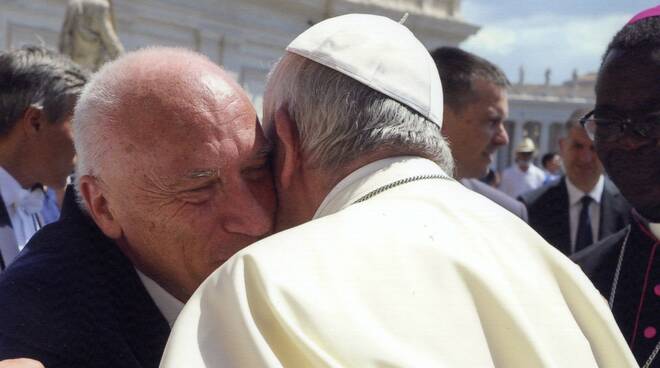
{"x":173,"y":165}
{"x":125,"y":102}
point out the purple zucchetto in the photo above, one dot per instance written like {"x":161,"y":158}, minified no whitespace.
{"x":652,"y":12}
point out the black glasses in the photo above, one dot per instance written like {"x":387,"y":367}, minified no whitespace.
{"x":611,"y":129}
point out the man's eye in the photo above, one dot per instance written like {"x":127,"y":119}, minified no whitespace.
{"x":257,"y":172}
{"x":197,"y":195}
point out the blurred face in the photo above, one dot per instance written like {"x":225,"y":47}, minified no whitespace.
{"x":629,"y":86}
{"x":193,"y":185}
{"x":582,"y":165}
{"x":524,"y":159}
{"x":476,"y":131}
{"x":55,"y":153}
{"x":554,"y":165}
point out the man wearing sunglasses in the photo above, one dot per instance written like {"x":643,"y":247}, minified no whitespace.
{"x":625,"y":127}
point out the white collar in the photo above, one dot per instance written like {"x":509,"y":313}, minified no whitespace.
{"x":575,"y":195}
{"x":372,"y":176}
{"x":655,"y":229}
{"x":168,"y":305}
{"x":10,"y":189}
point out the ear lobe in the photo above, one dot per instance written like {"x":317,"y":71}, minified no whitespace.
{"x":288,"y":141}
{"x":98,"y":207}
{"x":33,"y":119}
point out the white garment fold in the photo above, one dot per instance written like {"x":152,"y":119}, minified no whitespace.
{"x":426,"y":274}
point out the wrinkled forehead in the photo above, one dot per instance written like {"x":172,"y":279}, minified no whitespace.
{"x":183,"y":113}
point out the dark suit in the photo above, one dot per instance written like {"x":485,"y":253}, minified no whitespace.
{"x":72,"y":299}
{"x":496,"y":196}
{"x":548,"y":211}
{"x":636,"y":302}
{"x":6,"y":232}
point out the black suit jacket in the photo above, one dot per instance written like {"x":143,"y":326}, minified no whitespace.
{"x":497,"y":196}
{"x":72,"y":299}
{"x":548,"y":211}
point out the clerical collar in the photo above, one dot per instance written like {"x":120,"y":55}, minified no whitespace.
{"x":371,"y":176}
{"x":168,"y":305}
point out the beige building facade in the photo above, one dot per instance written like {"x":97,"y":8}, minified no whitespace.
{"x":245,"y":36}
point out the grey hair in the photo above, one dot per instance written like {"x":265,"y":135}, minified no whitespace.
{"x":574,"y":120}
{"x":37,"y":76}
{"x":340,"y":119}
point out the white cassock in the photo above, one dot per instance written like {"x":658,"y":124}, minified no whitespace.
{"x":425,"y":274}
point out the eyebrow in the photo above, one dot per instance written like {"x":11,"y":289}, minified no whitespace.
{"x":264,"y":152}
{"x":201,"y":173}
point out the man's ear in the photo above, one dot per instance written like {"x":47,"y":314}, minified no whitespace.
{"x":33,"y":119}
{"x":97,"y":204}
{"x":288,"y":149}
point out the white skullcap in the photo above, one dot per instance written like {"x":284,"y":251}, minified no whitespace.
{"x":379,"y":53}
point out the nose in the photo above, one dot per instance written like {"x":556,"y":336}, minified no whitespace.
{"x":244,"y":214}
{"x":501,"y":137}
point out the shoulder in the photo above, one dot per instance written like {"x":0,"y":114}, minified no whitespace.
{"x":59,"y":287}
{"x":598,"y":261}
{"x":496,"y":196}
{"x":537,"y":171}
{"x":596,"y":253}
{"x":554,"y":188}
{"x":611,"y":190}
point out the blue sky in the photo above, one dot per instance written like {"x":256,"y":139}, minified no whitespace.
{"x":560,"y":34}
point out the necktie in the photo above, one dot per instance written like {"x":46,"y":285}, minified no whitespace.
{"x":584,"y":235}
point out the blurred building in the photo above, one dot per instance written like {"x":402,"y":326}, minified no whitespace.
{"x":245,"y":36}
{"x":539,"y":111}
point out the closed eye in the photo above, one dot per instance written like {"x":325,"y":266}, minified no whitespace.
{"x":197,"y":195}
{"x":257,"y":172}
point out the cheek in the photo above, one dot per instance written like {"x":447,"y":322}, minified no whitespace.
{"x":264,"y":193}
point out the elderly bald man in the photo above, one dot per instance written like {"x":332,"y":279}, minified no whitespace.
{"x":393,"y":263}
{"x":172,"y":179}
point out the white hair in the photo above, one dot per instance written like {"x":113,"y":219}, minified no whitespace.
{"x":340,"y":119}
{"x":98,"y":120}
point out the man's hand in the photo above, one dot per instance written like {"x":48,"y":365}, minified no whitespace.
{"x":20,"y":363}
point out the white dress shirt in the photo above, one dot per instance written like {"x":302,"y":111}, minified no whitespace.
{"x":575,"y":206}
{"x":23,"y":207}
{"x":516,"y":182}
{"x":167,"y":304}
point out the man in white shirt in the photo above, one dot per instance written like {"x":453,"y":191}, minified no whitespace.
{"x":583,"y":206}
{"x":387,"y":262}
{"x":40,"y":89}
{"x":523,"y":176}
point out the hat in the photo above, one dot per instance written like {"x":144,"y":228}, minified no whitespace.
{"x":648,"y":13}
{"x":381,"y":54}
{"x":526,"y":146}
